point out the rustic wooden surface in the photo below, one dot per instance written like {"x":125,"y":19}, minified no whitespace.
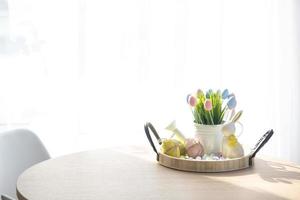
{"x":133,"y":173}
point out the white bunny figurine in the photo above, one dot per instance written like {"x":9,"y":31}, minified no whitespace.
{"x":231,"y":147}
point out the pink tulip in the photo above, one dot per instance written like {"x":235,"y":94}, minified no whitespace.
{"x":192,"y":101}
{"x":208,"y":105}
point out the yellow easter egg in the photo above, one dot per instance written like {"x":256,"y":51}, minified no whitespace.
{"x":171,"y":147}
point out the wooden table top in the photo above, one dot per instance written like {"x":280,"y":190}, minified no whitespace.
{"x":133,"y":173}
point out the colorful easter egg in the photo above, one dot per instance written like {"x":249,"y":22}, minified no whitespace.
{"x":194,"y":148}
{"x":225,"y":94}
{"x":188,"y":98}
{"x":192,"y":101}
{"x":171,"y":147}
{"x":232,"y":103}
{"x":200,"y":93}
{"x":208,"y":105}
{"x":208,"y":93}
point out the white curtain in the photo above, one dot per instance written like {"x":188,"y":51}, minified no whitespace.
{"x":86,"y":74}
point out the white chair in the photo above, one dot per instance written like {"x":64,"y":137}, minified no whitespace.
{"x":19,"y":149}
{"x":5,"y":197}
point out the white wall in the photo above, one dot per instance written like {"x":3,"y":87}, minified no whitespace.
{"x":88,"y":74}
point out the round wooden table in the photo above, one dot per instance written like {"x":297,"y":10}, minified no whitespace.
{"x":133,"y":173}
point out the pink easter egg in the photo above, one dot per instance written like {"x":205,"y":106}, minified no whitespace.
{"x":194,"y":148}
{"x":192,"y":101}
{"x":208,"y":105}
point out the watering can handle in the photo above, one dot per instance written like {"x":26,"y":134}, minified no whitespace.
{"x":261,"y":142}
{"x":148,"y":126}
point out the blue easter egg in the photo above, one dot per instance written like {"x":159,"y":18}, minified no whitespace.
{"x":225,"y":94}
{"x":188,"y":98}
{"x":208,"y":93}
{"x":232,"y":103}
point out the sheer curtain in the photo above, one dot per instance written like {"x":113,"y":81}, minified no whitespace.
{"x":87,"y":74}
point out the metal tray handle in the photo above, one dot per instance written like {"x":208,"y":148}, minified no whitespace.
{"x":261,"y":142}
{"x":148,"y":126}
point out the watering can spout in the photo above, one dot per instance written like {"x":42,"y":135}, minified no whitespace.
{"x":176,"y":133}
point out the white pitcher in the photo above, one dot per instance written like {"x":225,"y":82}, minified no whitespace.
{"x":211,"y":137}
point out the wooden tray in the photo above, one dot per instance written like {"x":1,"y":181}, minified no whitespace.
{"x":206,"y":165}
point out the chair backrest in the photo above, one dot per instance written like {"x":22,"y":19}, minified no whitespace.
{"x":19,"y":149}
{"x":5,"y":197}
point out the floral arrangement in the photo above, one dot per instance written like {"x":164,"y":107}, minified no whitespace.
{"x":209,"y":142}
{"x":211,"y":107}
